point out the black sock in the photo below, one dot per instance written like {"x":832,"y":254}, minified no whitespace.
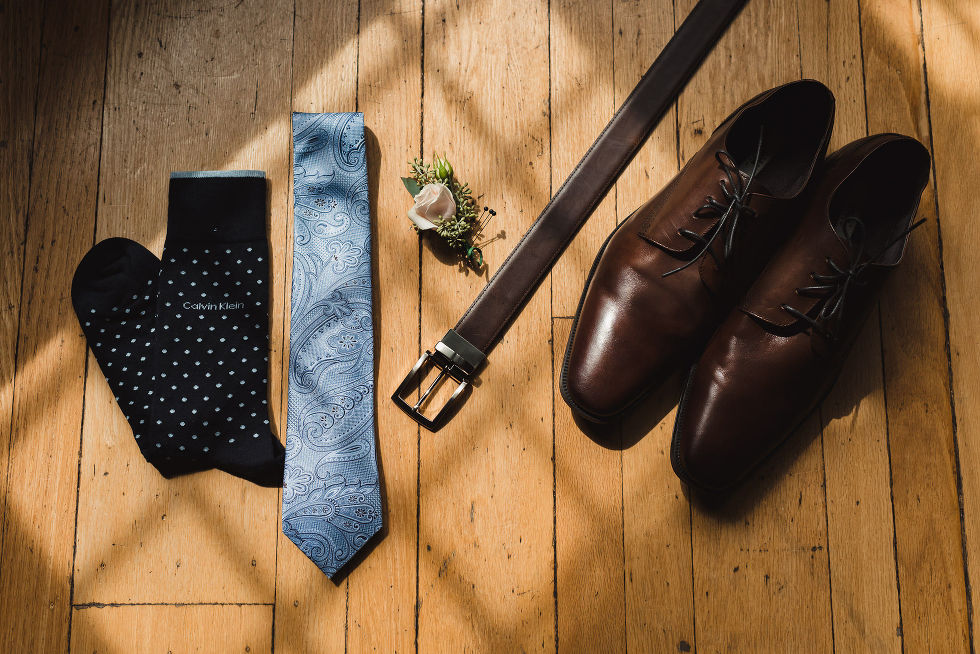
{"x":212,"y":327}
{"x":184,"y":344}
{"x":114,"y":294}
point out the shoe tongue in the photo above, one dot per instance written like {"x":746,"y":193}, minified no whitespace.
{"x":757,"y":187}
{"x":851,"y":232}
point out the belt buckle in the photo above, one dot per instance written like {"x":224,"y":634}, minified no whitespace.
{"x":455,"y":358}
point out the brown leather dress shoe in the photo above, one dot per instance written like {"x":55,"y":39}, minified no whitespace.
{"x":776,"y":356}
{"x":674,"y":269}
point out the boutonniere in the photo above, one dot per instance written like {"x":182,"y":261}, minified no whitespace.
{"x":446,"y":207}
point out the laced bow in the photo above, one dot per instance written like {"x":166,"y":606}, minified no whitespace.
{"x":835,"y":286}
{"x":735,"y":194}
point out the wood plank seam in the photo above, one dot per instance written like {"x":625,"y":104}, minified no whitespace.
{"x":554,"y":437}
{"x":551,"y":326}
{"x":864,"y":77}
{"x":884,"y":385}
{"x":821,"y":422}
{"x":284,"y":327}
{"x":946,"y":329}
{"x":690,"y":506}
{"x":622,"y":534}
{"x":85,"y":371}
{"x":891,"y":488}
{"x":111,"y":605}
{"x":622,"y":483}
{"x":884,"y":381}
{"x":826,"y":521}
{"x":418,"y":428}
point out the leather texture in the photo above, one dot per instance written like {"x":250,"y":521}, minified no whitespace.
{"x":331,"y":496}
{"x":643,"y":314}
{"x":520,"y":274}
{"x":766,"y":367}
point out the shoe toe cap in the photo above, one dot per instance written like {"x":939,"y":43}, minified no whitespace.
{"x":704,"y":452}
{"x":610,"y":365}
{"x":738,"y":405}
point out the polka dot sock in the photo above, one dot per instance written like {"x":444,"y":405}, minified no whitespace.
{"x":212,"y":326}
{"x":197,"y":323}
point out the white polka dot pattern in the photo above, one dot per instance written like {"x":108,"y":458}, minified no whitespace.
{"x":166,"y":332}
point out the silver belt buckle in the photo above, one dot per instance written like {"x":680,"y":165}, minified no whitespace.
{"x":457,"y":359}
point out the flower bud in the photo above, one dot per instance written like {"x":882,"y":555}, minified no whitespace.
{"x":443,"y":169}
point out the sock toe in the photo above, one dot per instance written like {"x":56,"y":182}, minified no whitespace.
{"x":264,"y":466}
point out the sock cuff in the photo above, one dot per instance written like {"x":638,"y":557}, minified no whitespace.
{"x":223,"y":206}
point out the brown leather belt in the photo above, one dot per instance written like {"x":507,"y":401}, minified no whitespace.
{"x":464,"y":348}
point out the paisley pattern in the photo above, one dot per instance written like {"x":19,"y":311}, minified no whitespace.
{"x":331,"y":499}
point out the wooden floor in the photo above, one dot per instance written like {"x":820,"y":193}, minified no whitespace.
{"x":509,"y":530}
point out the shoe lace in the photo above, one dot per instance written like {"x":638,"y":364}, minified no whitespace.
{"x":735,"y":195}
{"x":835,"y":286}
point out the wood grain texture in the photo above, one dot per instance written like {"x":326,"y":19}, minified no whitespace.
{"x":760,"y":560}
{"x":172,"y":106}
{"x":183,"y":629}
{"x":381,"y":609}
{"x":656,"y":513}
{"x":591,"y":602}
{"x":582,"y":82}
{"x":486,"y":578}
{"x":39,"y":524}
{"x":923,"y":457}
{"x":509,"y":529}
{"x":854,"y":426}
{"x":20,"y":36}
{"x":311,"y":611}
{"x":588,"y":477}
{"x":951,"y":40}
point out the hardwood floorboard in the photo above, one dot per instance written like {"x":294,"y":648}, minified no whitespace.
{"x":658,"y":575}
{"x":486,"y":523}
{"x":588,"y":476}
{"x":589,"y":533}
{"x":38,"y":543}
{"x":20,"y":34}
{"x":864,"y":591}
{"x":924,"y":472}
{"x":172,"y":629}
{"x":951,"y":41}
{"x":581,"y":99}
{"x":311,"y":611}
{"x":381,"y":611}
{"x":760,"y":560}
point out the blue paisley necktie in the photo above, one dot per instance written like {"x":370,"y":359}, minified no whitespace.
{"x":331,"y":497}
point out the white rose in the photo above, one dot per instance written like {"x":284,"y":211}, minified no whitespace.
{"x":433,"y":202}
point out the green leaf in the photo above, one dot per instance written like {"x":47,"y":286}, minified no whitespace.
{"x":411,"y":185}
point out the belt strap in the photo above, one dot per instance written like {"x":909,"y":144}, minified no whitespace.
{"x":464,"y":348}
